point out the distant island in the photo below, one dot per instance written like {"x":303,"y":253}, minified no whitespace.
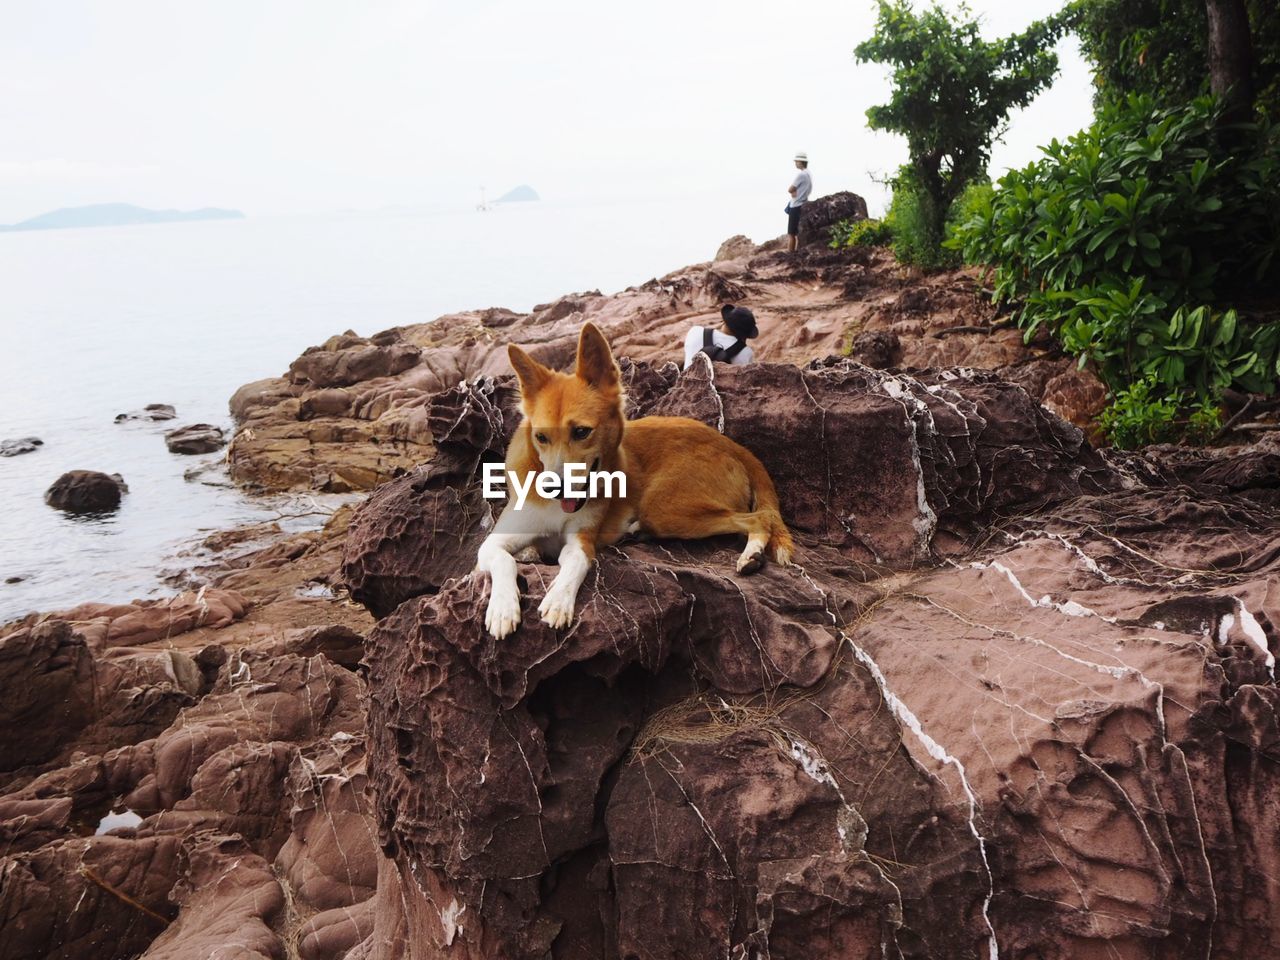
{"x":119,"y":214}
{"x":519,"y":194}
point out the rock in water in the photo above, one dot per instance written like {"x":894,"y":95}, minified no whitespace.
{"x":196,"y":438}
{"x":152,"y":411}
{"x":86,"y":491}
{"x":11,"y":448}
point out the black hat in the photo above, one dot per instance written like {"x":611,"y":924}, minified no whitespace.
{"x":740,"y":321}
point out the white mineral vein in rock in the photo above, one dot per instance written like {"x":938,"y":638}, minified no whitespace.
{"x":906,"y":717}
{"x":927,"y":522}
{"x":1250,"y":627}
{"x":449,"y":917}
{"x":1068,"y":608}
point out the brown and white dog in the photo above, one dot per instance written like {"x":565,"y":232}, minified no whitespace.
{"x":684,"y":480}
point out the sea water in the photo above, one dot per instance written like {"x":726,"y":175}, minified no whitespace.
{"x":96,"y":322}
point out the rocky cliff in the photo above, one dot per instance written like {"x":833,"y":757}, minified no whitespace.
{"x":1016,"y":699}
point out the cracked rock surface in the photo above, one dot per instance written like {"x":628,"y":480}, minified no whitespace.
{"x":1016,"y":700}
{"x":1016,"y":697}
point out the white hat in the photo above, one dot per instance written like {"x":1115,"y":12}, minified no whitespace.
{"x":801,"y":155}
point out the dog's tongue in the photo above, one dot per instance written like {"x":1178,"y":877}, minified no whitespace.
{"x":570,"y":505}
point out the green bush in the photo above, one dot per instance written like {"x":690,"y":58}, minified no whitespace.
{"x":1145,"y":412}
{"x":860,"y":233}
{"x":913,"y":241}
{"x":1121,"y":239}
{"x":910,"y":226}
{"x":976,"y":198}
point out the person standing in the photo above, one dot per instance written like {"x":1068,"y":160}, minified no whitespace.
{"x":800,"y":189}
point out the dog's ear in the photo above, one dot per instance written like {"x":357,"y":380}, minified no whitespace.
{"x":595,"y":360}
{"x":533,"y":375}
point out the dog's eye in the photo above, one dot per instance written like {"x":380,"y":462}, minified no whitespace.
{"x":540,"y":437}
{"x":581,"y":433}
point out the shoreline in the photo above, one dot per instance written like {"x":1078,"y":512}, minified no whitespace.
{"x":348,"y":414}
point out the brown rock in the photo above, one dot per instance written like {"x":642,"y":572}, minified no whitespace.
{"x":86,"y":491}
{"x":145,"y":621}
{"x":877,"y":348}
{"x":350,"y":360}
{"x":86,"y":897}
{"x":27,"y":823}
{"x":736,"y":247}
{"x":228,"y":899}
{"x":820,"y":762}
{"x":47,"y":675}
{"x":152,"y":411}
{"x":338,"y":643}
{"x":1076,"y":395}
{"x":195,"y":438}
{"x":817,"y":217}
{"x":325,"y":403}
{"x":259,"y":394}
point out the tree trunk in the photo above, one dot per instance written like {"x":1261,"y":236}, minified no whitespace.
{"x":1231,"y":57}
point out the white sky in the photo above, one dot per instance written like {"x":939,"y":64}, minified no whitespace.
{"x":282,"y":106}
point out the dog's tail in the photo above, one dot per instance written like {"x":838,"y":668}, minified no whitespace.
{"x":765,"y":497}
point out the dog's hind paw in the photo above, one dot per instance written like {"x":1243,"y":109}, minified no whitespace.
{"x":751,"y":560}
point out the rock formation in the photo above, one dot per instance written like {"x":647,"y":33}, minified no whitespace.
{"x":86,"y":491}
{"x":1017,"y":698}
{"x":819,"y":216}
{"x":195,"y":438}
{"x":11,"y":448}
{"x":152,"y":411}
{"x":978,"y":713}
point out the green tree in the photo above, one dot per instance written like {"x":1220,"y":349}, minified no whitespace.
{"x":952,"y":94}
{"x":1166,"y":49}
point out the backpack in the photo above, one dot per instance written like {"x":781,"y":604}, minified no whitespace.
{"x":718,"y":353}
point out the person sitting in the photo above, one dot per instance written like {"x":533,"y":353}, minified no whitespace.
{"x":727,"y":344}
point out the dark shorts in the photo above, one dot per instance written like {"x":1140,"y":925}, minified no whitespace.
{"x":793,"y":220}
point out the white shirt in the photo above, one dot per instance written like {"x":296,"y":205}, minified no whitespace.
{"x":693,"y":343}
{"x":804,"y":185}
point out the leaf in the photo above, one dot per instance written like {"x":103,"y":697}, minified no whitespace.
{"x":1243,"y":365}
{"x":1226,"y":329}
{"x":1117,"y":202}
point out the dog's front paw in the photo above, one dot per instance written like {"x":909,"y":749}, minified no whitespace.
{"x":502,"y":616}
{"x":557,"y":607}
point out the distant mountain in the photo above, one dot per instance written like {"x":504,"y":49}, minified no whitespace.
{"x":520,"y":193}
{"x":117,"y":214}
